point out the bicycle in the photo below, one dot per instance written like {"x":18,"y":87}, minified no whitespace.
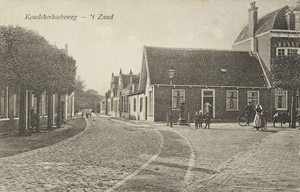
{"x":243,"y":119}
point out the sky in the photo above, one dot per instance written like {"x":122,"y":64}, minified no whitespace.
{"x":104,"y":46}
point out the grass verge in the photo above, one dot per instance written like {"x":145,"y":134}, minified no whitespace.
{"x":13,"y":145}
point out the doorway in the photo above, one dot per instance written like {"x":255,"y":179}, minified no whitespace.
{"x":208,"y":95}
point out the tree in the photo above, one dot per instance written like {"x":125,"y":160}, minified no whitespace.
{"x":88,"y":99}
{"x":92,"y":99}
{"x":286,"y":75}
{"x":79,"y":94}
{"x":29,"y":62}
{"x":20,"y":61}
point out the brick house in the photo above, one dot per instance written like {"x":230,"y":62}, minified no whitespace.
{"x":226,"y":79}
{"x":277,"y":33}
{"x":10,"y":105}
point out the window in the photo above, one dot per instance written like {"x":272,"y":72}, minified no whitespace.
{"x":46,"y":105}
{"x":232,"y":100}
{"x":292,"y":51}
{"x":134,"y":104}
{"x":16,"y":105}
{"x":115,"y":105}
{"x":111,"y":105}
{"x":287,"y":51}
{"x":2,"y":104}
{"x":178,"y":95}
{"x":109,"y":109}
{"x":280,"y":99}
{"x":103,"y":105}
{"x":253,"y":97}
{"x":141,"y":104}
{"x":151,"y":103}
{"x":280,"y":52}
{"x":125,"y":103}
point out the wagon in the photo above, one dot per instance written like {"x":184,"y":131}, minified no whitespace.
{"x":282,"y":117}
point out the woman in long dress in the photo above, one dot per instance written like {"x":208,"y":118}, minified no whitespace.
{"x":257,"y":118}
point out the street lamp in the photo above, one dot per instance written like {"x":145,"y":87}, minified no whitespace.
{"x":171,"y":73}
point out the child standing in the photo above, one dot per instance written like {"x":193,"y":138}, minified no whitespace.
{"x":207,"y":121}
{"x":200,"y":119}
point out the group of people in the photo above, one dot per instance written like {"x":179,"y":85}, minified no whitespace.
{"x":200,"y":118}
{"x":87,"y":114}
{"x":257,"y":111}
{"x":249,"y":110}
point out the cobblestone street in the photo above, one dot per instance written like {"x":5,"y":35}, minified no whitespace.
{"x":117,"y":155}
{"x":93,"y":160}
{"x":271,"y":164}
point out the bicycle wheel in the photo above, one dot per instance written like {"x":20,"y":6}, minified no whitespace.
{"x":242,"y":120}
{"x":264,"y":124}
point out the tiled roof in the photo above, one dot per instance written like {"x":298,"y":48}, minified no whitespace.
{"x":126,"y":79}
{"x":273,"y":20}
{"x":135,"y":82}
{"x":135,"y":79}
{"x":204,"y":67}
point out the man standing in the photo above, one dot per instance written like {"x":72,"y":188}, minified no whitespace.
{"x":248,"y":112}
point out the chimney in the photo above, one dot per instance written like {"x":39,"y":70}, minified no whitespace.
{"x":66,"y":49}
{"x":130,"y":74}
{"x":252,"y":19}
{"x":252,"y":26}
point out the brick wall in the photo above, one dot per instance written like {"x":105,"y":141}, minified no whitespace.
{"x":161,"y":103}
{"x":193,"y":102}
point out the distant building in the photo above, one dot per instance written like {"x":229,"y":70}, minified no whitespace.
{"x":117,"y":100}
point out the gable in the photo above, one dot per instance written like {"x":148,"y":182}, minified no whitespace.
{"x":273,"y":20}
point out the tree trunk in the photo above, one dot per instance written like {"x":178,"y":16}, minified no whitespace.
{"x":50,"y":110}
{"x":22,"y":115}
{"x":38,"y":98}
{"x":294,"y":109}
{"x":58,"y":118}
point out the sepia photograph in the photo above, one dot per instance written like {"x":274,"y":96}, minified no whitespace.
{"x":149,"y":95}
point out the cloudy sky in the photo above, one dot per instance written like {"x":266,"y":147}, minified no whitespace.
{"x":103,"y":46}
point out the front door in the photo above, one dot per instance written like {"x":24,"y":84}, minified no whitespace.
{"x":208,"y":101}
